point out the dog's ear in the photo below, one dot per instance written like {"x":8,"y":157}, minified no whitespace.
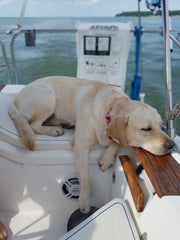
{"x":117,"y":130}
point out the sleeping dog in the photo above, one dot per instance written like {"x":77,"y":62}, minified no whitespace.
{"x":101,"y":114}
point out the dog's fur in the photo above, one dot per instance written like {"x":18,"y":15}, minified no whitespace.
{"x":42,"y":106}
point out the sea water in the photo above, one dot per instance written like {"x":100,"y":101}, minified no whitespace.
{"x":55,"y":54}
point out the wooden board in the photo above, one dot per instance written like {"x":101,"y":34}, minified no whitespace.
{"x":163,"y":172}
{"x":134,"y":186}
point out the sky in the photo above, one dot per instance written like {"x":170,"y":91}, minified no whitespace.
{"x":76,"y":8}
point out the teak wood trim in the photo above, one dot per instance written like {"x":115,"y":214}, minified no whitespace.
{"x":163,"y":172}
{"x":134,"y":186}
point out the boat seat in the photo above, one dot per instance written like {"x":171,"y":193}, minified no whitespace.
{"x":9,"y":134}
{"x":163,"y":172}
{"x":112,"y":221}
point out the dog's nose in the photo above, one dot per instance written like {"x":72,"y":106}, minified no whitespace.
{"x":169,"y":144}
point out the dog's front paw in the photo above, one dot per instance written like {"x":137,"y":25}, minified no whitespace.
{"x":104,"y":163}
{"x":57,"y":131}
{"x":67,"y":125}
{"x":84,"y":204}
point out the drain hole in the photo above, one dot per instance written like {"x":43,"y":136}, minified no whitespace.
{"x":70,"y":188}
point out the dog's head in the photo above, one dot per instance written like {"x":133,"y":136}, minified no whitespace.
{"x":139,"y":125}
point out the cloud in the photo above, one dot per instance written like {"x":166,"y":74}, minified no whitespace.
{"x":32,"y":3}
{"x":94,"y":1}
{"x":67,"y":3}
{"x":86,"y":3}
{"x":50,"y":4}
{"x":4,"y":2}
{"x":35,"y":3}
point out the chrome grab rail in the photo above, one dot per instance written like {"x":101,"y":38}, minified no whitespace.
{"x":176,"y":111}
{"x":5,"y":61}
{"x":18,"y":32}
{"x":174,"y":39}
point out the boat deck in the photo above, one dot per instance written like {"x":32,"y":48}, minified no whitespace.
{"x":34,"y":225}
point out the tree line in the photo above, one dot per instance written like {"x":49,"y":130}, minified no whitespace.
{"x":146,"y":13}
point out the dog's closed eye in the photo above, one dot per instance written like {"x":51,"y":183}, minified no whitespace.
{"x":146,"y":129}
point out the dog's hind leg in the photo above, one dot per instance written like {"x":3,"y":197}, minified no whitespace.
{"x":38,"y":118}
{"x":39,"y":128}
{"x":53,"y":121}
{"x":42,"y":108}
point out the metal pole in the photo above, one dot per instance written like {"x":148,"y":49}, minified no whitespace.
{"x":175,"y":39}
{"x":139,"y":13}
{"x":13,"y":56}
{"x":5,"y":61}
{"x":142,"y":94}
{"x":167,"y":61}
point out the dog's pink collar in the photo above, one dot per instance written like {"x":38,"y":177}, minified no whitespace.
{"x":108,"y":120}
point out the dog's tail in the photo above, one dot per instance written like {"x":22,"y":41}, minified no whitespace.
{"x":25,"y":131}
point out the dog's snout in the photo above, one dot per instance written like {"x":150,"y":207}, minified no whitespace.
{"x":169,"y":144}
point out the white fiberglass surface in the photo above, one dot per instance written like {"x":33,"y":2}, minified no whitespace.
{"x":33,"y":205}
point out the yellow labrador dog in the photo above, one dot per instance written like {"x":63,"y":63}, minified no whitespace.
{"x":101,"y":115}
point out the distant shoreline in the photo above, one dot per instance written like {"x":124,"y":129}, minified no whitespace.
{"x":174,"y":13}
